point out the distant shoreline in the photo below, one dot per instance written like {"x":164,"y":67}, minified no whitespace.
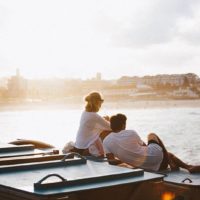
{"x":135,"y":104}
{"x":142,"y":104}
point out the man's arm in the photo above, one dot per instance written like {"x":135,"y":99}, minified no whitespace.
{"x":112,"y":160}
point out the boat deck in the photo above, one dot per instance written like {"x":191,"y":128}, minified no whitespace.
{"x":10,"y":150}
{"x":32,"y":174}
{"x":183,"y":178}
{"x":77,"y":177}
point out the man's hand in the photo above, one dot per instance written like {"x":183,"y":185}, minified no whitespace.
{"x":107,"y":118}
{"x":112,"y":160}
{"x":115,"y":162}
{"x":126,"y":165}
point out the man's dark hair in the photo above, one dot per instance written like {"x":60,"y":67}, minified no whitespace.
{"x":117,"y":122}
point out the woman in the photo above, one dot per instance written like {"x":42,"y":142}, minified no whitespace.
{"x":91,"y":126}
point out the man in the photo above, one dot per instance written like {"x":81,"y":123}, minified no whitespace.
{"x":127,"y":146}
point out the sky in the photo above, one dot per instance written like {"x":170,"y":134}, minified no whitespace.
{"x":78,"y":38}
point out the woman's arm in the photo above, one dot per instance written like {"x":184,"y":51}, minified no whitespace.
{"x":103,"y":123}
{"x":99,"y":146}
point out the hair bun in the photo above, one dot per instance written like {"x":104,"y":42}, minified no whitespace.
{"x":87,"y":98}
{"x":93,"y":96}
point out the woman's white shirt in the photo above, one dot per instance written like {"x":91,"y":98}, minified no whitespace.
{"x":91,"y":125}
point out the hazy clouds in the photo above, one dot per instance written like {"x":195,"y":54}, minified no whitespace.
{"x":79,"y":38}
{"x":160,"y":22}
{"x":164,"y":36}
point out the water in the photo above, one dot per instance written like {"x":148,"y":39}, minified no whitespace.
{"x":179,"y":128}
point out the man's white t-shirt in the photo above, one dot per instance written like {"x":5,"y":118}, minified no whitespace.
{"x":91,"y":125}
{"x":128,"y":147}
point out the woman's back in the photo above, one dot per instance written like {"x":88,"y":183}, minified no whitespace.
{"x":91,"y":125}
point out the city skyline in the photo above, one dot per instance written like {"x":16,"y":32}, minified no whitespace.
{"x":97,"y":76}
{"x":185,"y":86}
{"x":76,"y":39}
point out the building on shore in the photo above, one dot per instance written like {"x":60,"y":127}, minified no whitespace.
{"x":17,"y":86}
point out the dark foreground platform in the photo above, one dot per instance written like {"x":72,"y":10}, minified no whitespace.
{"x":6,"y":148}
{"x":70,"y":179}
{"x":178,"y":185}
{"x":11,"y":150}
{"x":183,"y":178}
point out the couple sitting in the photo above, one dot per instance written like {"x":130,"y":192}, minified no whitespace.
{"x":121,"y":145}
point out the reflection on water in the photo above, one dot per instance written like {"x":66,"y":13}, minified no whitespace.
{"x":194,"y":113}
{"x":178,"y":127}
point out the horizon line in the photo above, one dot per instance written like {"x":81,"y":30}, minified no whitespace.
{"x":94,"y":77}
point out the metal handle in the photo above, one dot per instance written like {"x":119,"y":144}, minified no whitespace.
{"x":71,"y":155}
{"x":50,"y":175}
{"x":187,"y":179}
{"x":97,"y":159}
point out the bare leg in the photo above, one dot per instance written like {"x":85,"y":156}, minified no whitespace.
{"x":173,"y":161}
{"x":180,"y":163}
{"x":169,"y":158}
{"x":194,"y":169}
{"x":166,"y":160}
{"x":177,"y":161}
